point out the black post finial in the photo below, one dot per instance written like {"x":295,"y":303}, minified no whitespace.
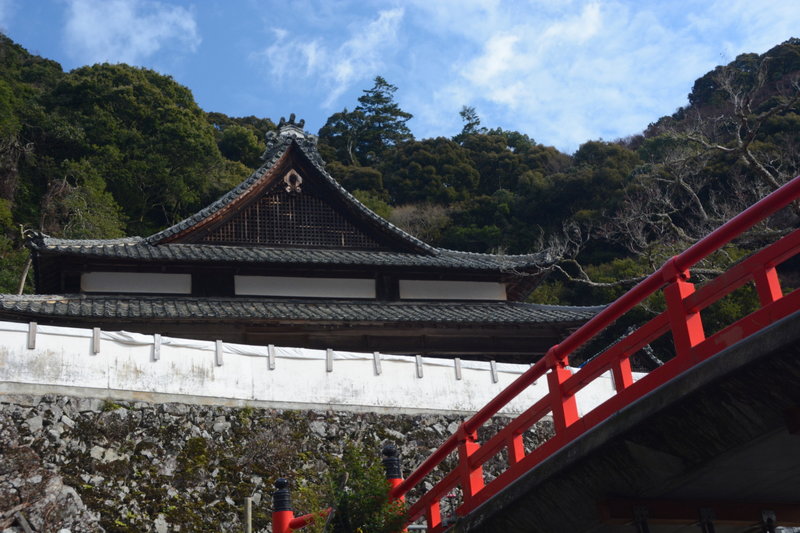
{"x":391,"y":462}
{"x":281,"y":499}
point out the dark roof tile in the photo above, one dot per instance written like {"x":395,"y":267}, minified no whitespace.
{"x":140,"y":249}
{"x":185,"y":307}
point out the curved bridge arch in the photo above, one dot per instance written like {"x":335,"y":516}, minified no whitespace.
{"x":681,"y":320}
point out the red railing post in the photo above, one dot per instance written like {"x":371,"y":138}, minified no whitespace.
{"x":686,"y":324}
{"x":516,"y":449}
{"x":282,"y":512}
{"x":767,"y":285}
{"x":622,"y":374}
{"x":433,"y":516}
{"x":394,"y":474}
{"x":391,"y":465}
{"x":471,"y":477}
{"x":682,"y":319}
{"x":564,"y":406}
{"x":283,"y":519}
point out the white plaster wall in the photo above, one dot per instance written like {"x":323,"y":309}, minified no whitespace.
{"x":138,"y":282}
{"x":308,"y":287}
{"x":422,"y":289}
{"x":64,"y":357}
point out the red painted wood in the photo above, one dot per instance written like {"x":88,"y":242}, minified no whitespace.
{"x":768,"y":285}
{"x":516,"y":449}
{"x":563,"y":405}
{"x":471,"y":474}
{"x":682,"y":318}
{"x":623,"y":377}
{"x":686,"y":324}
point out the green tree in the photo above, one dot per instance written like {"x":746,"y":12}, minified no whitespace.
{"x":340,"y":137}
{"x":144,"y":135}
{"x":472,"y":123}
{"x":355,"y":484}
{"x":364,"y":135}
{"x":384,"y":121}
{"x":354,"y":178}
{"x":239,"y":143}
{"x":241,"y":138}
{"x":77,"y":205}
{"x":432,"y":170}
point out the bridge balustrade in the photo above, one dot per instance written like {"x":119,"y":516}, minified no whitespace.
{"x":681,"y":320}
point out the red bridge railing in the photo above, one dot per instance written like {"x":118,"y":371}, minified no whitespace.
{"x":681,"y":319}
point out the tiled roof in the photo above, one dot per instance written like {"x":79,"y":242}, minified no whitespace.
{"x":137,"y":248}
{"x":266,"y":309}
{"x":276,"y":148}
{"x":415,"y":253}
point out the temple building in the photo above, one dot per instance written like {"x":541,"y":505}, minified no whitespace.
{"x":290,"y":258}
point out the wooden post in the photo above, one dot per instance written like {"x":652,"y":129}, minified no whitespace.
{"x":248,"y":515}
{"x":156,"y":347}
{"x":95,"y":341}
{"x":471,"y":477}
{"x":565,"y":408}
{"x":687,"y":326}
{"x":31,"y":335}
{"x":218,"y":353}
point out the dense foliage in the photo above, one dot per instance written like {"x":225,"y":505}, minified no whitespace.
{"x":355,"y":487}
{"x":109,"y":150}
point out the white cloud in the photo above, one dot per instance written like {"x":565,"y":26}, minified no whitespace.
{"x":571,"y":71}
{"x":335,"y":65}
{"x":127,"y":31}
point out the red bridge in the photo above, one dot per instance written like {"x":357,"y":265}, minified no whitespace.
{"x":709,"y":439}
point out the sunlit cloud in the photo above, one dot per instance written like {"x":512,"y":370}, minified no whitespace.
{"x":127,"y":31}
{"x":334,"y":65}
{"x":566,"y":72}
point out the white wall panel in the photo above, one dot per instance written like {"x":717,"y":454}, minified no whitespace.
{"x":304,"y":287}
{"x":137,"y":282}
{"x":419,"y":289}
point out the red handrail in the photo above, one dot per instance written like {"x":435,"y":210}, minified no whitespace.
{"x":681,"y":318}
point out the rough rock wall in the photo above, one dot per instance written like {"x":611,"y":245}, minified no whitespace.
{"x":88,"y":465}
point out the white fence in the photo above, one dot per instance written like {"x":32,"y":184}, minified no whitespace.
{"x":94,"y":363}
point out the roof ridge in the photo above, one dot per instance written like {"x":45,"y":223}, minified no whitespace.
{"x":278,"y":143}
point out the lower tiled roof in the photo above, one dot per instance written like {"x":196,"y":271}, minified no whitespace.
{"x":164,"y":308}
{"x":138,"y":249}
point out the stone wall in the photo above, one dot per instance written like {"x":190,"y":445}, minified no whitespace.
{"x":88,"y":465}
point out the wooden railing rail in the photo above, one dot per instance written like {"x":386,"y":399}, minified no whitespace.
{"x":682,"y":319}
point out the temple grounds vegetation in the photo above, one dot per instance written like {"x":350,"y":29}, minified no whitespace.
{"x":112,"y":150}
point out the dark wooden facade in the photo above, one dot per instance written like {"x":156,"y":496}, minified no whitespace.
{"x":290,"y":258}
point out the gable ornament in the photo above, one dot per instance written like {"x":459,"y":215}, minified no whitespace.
{"x":293,"y":182}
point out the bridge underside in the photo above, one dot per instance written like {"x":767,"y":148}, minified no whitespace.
{"x":721,"y":441}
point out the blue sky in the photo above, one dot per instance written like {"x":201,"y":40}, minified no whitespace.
{"x":562,"y":71}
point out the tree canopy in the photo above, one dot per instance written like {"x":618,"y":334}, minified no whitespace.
{"x":110,"y":150}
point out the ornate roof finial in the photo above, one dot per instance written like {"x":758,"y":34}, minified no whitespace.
{"x":290,"y":127}
{"x":289,"y":130}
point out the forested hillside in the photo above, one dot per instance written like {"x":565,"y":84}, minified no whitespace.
{"x":112,"y":150}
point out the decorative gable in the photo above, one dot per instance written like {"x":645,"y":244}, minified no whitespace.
{"x":291,"y":202}
{"x":293,"y":213}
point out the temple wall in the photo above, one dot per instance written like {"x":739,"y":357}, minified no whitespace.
{"x":154,"y":368}
{"x":113,"y":431}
